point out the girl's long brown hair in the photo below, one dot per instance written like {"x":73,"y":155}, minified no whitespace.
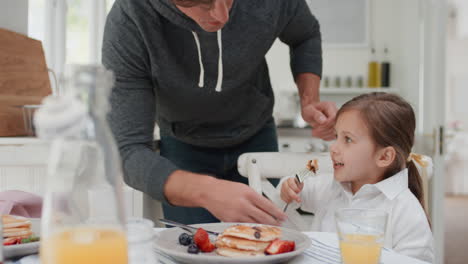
{"x":391,"y":123}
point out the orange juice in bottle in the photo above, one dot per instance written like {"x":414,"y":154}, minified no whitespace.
{"x":85,"y":245}
{"x":83,"y":219}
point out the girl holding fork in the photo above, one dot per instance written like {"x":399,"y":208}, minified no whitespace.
{"x":373,"y":168}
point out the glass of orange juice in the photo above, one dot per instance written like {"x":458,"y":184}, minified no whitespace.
{"x":361,"y":233}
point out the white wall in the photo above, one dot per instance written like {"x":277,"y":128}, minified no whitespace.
{"x":394,"y":24}
{"x":457,"y":73}
{"x":14,"y":15}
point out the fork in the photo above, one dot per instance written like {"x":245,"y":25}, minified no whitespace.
{"x":188,"y":228}
{"x":300,"y":177}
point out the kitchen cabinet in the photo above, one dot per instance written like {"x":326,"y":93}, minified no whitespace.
{"x":23,"y":166}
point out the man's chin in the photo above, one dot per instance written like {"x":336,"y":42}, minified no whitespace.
{"x":210,"y":28}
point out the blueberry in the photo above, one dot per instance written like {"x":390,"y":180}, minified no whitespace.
{"x":193,"y":249}
{"x":185,"y":239}
{"x":257,"y":235}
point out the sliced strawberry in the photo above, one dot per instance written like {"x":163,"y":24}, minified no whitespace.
{"x":278,"y":246}
{"x":208,"y":247}
{"x":10,"y":241}
{"x":202,"y":241}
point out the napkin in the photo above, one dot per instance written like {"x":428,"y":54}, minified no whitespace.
{"x":20,"y":203}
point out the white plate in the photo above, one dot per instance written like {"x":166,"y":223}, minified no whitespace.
{"x":167,"y":241}
{"x":24,"y":249}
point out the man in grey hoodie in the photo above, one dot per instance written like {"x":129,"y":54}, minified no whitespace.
{"x":198,"y":69}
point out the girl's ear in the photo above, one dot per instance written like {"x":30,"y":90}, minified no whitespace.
{"x":385,"y":157}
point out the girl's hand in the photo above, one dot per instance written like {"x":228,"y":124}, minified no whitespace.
{"x":290,"y":190}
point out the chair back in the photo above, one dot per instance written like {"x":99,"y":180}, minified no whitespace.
{"x":260,"y":166}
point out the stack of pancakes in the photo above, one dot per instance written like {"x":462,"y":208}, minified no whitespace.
{"x":16,"y":227}
{"x":246,"y":241}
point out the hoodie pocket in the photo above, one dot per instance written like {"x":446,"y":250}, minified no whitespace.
{"x":241,"y":117}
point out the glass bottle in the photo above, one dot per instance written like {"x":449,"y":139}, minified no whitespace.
{"x":386,"y":70}
{"x":83,"y":218}
{"x":326,"y":82}
{"x":349,"y":82}
{"x":373,"y":71}
{"x":337,"y":82}
{"x":359,"y":82}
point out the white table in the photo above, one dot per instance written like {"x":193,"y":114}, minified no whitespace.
{"x":324,"y":250}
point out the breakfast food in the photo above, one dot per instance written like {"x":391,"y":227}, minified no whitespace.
{"x":233,"y":253}
{"x":202,"y":241}
{"x":241,"y":243}
{"x":185,"y":239}
{"x":255,"y":233}
{"x":238,"y":241}
{"x":280,"y":246}
{"x":244,"y":241}
{"x":17,"y":230}
{"x":312,"y":165}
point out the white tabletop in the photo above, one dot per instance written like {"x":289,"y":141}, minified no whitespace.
{"x":324,"y":249}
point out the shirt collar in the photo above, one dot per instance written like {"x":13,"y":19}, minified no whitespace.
{"x":394,"y":185}
{"x":390,"y":187}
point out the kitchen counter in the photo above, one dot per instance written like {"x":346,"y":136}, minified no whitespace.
{"x":291,"y":139}
{"x":294,"y":132}
{"x":4,"y":141}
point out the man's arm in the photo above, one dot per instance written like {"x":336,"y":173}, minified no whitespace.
{"x":132,"y":122}
{"x":302,"y":34}
{"x":226,"y":200}
{"x":320,"y":115}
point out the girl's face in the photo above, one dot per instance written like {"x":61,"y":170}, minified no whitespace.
{"x":354,"y":153}
{"x":209,"y":18}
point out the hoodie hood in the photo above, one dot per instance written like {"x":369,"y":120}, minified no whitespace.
{"x":168,"y":10}
{"x":173,"y":14}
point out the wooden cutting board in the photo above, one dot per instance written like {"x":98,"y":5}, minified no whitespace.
{"x":24,"y":79}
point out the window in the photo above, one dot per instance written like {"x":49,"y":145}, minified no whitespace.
{"x":77,"y":32}
{"x":71,"y":30}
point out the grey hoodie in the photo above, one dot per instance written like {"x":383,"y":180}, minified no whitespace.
{"x":205,"y":89}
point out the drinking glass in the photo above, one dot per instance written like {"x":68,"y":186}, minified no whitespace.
{"x":140,"y":235}
{"x":361,"y":233}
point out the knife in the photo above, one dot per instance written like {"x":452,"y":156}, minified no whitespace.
{"x":188,"y":228}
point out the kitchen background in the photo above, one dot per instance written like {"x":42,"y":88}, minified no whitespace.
{"x":71,"y":32}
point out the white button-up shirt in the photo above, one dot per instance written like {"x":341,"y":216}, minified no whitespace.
{"x":408,"y":231}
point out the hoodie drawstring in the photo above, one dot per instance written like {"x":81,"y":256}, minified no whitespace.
{"x":219,"y":82}
{"x":201,"y":81}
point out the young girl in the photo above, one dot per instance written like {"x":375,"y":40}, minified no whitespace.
{"x":373,"y":168}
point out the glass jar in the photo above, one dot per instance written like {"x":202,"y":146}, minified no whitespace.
{"x":140,"y":234}
{"x":83,"y":219}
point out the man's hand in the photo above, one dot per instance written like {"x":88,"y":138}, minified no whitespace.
{"x":321,"y":116}
{"x":228,"y":201}
{"x":237,"y":202}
